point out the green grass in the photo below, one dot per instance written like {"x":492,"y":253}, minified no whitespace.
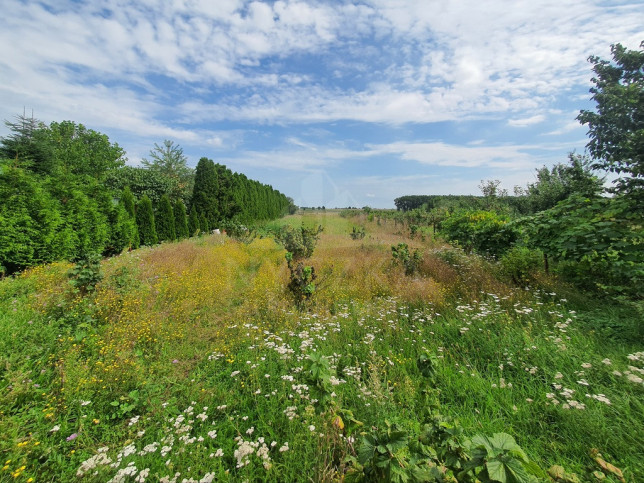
{"x":189,"y":353}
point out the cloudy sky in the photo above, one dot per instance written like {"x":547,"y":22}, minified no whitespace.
{"x":333,"y":102}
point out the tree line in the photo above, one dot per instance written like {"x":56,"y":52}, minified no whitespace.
{"x":66,"y":192}
{"x":591,"y":235}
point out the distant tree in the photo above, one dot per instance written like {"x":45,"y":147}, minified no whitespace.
{"x":169,"y":161}
{"x":28,"y":145}
{"x":180,"y":220}
{"x":561,"y":181}
{"x":80,"y":151}
{"x":616,"y":129}
{"x":193,"y":222}
{"x":164,"y":220}
{"x":141,"y":181}
{"x":145,"y":222}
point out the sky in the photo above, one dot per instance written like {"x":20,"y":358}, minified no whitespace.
{"x":334,"y":103}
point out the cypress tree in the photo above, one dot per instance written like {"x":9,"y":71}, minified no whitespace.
{"x":203,"y":222}
{"x":145,"y":222}
{"x":180,"y":220}
{"x":127,"y":200}
{"x":205,"y":192}
{"x":193,"y":222}
{"x":165,"y":220}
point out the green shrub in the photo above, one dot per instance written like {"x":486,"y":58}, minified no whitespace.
{"x":145,"y":222}
{"x":357,"y":233}
{"x":402,"y":255}
{"x":164,"y":220}
{"x":481,"y":231}
{"x":86,"y":273}
{"x":521,"y":264}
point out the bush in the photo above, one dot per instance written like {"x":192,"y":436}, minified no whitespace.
{"x":410,"y":261}
{"x":521,"y":264}
{"x":357,"y":233}
{"x":485,"y":232}
{"x":86,"y":273}
{"x":299,"y":242}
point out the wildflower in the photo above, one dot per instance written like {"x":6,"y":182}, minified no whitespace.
{"x":586,"y":365}
{"x":54,"y":429}
{"x":284,"y":448}
{"x":72,"y":437}
{"x":607,"y":362}
{"x":311,"y":428}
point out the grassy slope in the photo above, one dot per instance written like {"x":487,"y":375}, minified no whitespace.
{"x":190,"y":350}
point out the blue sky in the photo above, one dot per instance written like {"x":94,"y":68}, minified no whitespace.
{"x":334,"y":103}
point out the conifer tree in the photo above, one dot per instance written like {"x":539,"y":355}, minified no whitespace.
{"x":145,"y":222}
{"x":193,"y":222}
{"x":205,"y":192}
{"x":203,"y":223}
{"x":129,"y":204}
{"x":164,"y":220}
{"x":180,"y":220}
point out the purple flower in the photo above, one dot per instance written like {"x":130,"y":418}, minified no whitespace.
{"x":175,"y":361}
{"x":72,"y":437}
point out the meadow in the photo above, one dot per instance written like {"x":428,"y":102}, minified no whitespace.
{"x":190,"y":362}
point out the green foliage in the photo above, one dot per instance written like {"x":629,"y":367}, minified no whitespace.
{"x":79,"y":151}
{"x":180,"y":220}
{"x":300,"y":242}
{"x":125,"y":406}
{"x":28,"y":145}
{"x":318,"y":376}
{"x":485,"y":232}
{"x":357,"y":233}
{"x":164,"y":220}
{"x":123,"y":231}
{"x":601,"y":237}
{"x":560,"y":182}
{"x":500,"y":458}
{"x":521,"y":264}
{"x":239,"y":232}
{"x":441,"y":453}
{"x":205,"y":192}
{"x":301,"y":285}
{"x":170,"y":162}
{"x":204,"y":226}
{"x":32,"y":229}
{"x":616,"y":129}
{"x":193,"y":222}
{"x":142,"y":182}
{"x":383,"y":455}
{"x":145,"y":222}
{"x":128,"y":201}
{"x":402,"y":255}
{"x":86,"y":273}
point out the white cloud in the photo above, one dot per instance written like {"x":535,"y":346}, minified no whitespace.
{"x":527,"y":121}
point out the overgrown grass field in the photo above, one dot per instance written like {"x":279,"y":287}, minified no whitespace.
{"x":191,"y":362}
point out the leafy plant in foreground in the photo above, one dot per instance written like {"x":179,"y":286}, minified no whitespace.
{"x":86,"y":273}
{"x":299,"y":244}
